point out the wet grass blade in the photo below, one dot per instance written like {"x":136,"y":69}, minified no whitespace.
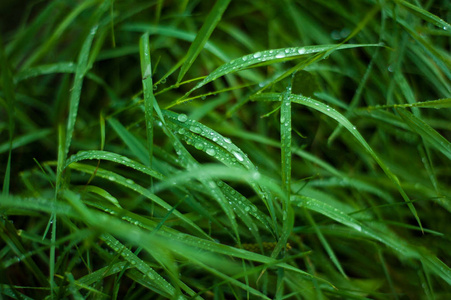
{"x":80,"y":72}
{"x":149,"y":98}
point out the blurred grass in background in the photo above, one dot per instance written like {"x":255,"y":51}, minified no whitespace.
{"x":228,"y":149}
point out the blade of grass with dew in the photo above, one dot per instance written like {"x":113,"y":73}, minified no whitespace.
{"x":146,"y":72}
{"x":440,"y":103}
{"x":128,"y":183}
{"x":133,"y":234}
{"x":425,"y":15}
{"x":285,"y":149}
{"x":268,"y":56}
{"x":110,"y":156}
{"x":90,"y":217}
{"x":136,"y":262}
{"x":60,"y":67}
{"x":203,"y":35}
{"x":205,"y":139}
{"x":332,"y":113}
{"x":428,"y":133}
{"x":75,"y":95}
{"x":385,"y":237}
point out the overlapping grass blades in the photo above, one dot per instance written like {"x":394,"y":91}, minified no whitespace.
{"x":248,"y":184}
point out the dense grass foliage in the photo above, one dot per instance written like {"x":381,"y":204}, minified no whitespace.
{"x":225,"y":149}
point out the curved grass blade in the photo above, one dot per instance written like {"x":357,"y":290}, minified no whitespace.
{"x":128,"y":183}
{"x":329,"y":111}
{"x":139,"y":264}
{"x":110,"y":156}
{"x":425,"y":15}
{"x":281,"y":54}
{"x":203,"y":35}
{"x":60,"y":67}
{"x":386,"y":237}
{"x":325,"y":109}
{"x":428,"y":133}
{"x":205,"y":139}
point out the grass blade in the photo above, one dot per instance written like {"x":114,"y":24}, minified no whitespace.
{"x":146,"y":71}
{"x":203,"y":35}
{"x":426,"y":132}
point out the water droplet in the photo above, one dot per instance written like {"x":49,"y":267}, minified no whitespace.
{"x":257,"y":55}
{"x":227,"y":140}
{"x":199,"y":145}
{"x":163,"y":80}
{"x":182,"y":117}
{"x":301,"y":51}
{"x":181,"y":131}
{"x":247,"y":208}
{"x":238,"y":156}
{"x":211,"y":151}
{"x":280,"y":55}
{"x":244,"y":58}
{"x":195,"y":129}
{"x":129,"y":181}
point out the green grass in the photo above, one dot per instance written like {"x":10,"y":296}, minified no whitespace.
{"x":225,"y":150}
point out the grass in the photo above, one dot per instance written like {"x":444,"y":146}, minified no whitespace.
{"x":225,"y":150}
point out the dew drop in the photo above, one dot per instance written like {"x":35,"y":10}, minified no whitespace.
{"x":195,"y":129}
{"x":211,"y":152}
{"x":182,"y":117}
{"x":238,"y":156}
{"x":301,"y":51}
{"x":257,"y":55}
{"x":181,"y":131}
{"x":199,"y":146}
{"x":280,"y":55}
